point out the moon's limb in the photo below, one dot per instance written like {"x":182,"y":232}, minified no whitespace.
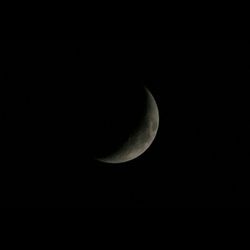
{"x":141,"y":139}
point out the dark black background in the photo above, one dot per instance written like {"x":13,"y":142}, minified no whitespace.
{"x":55,"y":95}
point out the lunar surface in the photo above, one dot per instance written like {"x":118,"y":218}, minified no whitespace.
{"x":142,"y":136}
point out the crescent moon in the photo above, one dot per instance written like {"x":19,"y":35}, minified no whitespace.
{"x":141,"y":139}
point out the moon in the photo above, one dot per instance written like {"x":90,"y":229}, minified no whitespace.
{"x":142,"y":136}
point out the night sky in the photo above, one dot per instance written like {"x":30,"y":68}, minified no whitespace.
{"x":58,"y":98}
